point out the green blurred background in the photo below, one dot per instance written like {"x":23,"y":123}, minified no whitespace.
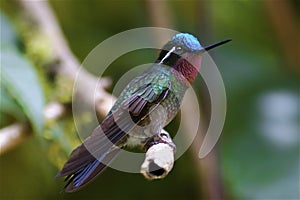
{"x":257,"y":156}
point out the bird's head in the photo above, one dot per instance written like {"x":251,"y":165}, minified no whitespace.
{"x":177,"y":47}
{"x":183,"y":45}
{"x":184,"y":50}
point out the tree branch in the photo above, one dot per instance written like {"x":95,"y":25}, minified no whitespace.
{"x":13,"y":135}
{"x":283,"y":18}
{"x":67,"y":65}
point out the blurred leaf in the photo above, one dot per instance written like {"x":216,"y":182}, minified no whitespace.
{"x":8,"y":36}
{"x":9,"y":105}
{"x":20,"y":80}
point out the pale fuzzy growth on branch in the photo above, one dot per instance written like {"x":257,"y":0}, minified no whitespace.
{"x":158,"y":162}
{"x":11,"y":136}
{"x":159,"y":159}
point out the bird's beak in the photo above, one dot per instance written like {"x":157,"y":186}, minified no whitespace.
{"x":209,"y":47}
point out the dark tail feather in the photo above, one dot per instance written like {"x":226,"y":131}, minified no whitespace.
{"x":99,"y":143}
{"x":88,"y":173}
{"x":82,"y":166}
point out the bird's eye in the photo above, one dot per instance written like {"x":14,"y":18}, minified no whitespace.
{"x":179,"y":50}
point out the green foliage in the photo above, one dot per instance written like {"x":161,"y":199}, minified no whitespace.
{"x":8,"y":35}
{"x":63,"y":89}
{"x":19,"y":78}
{"x":9,"y":108}
{"x":20,"y":81}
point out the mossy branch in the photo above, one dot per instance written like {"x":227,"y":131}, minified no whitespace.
{"x":42,"y":21}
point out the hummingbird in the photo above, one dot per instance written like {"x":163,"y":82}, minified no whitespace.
{"x":145,"y":106}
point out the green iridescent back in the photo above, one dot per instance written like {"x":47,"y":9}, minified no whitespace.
{"x":160,"y":78}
